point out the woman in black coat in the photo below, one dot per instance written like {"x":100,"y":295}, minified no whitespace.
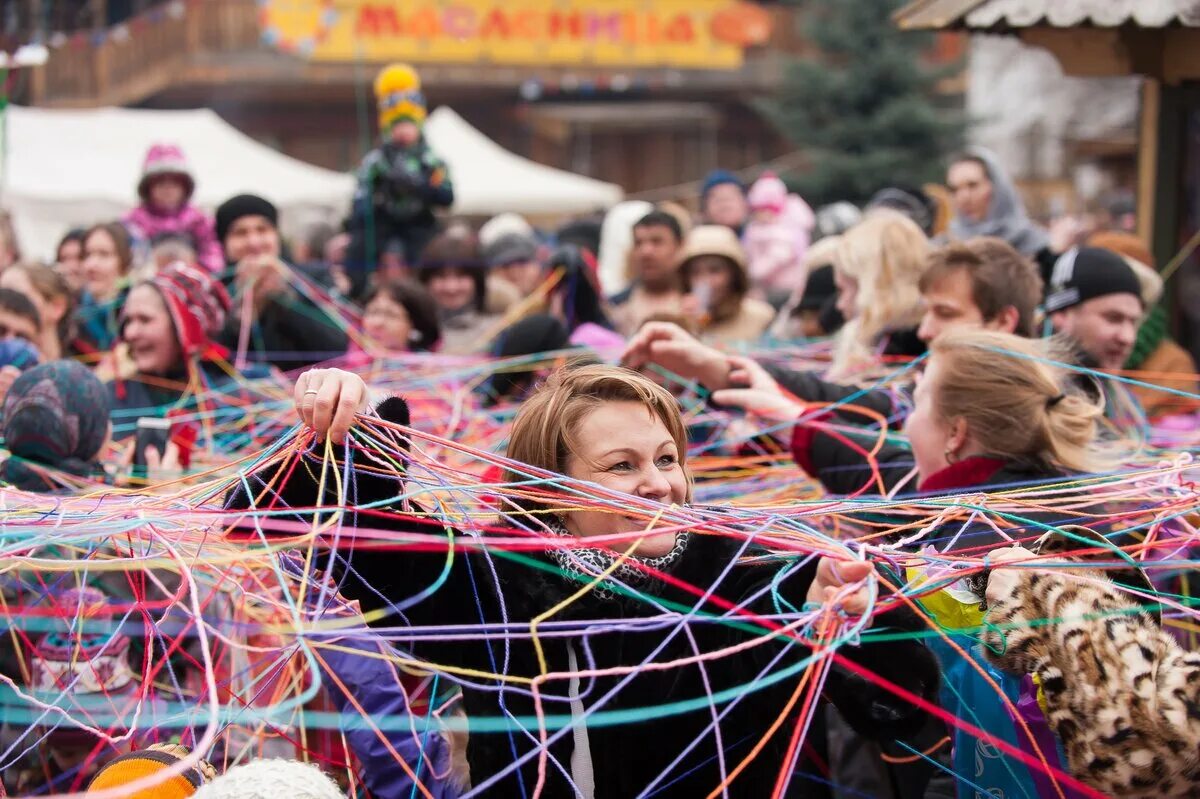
{"x":606,"y":697}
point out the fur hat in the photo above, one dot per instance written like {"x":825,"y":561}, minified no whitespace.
{"x":143,"y":763}
{"x":398,"y":96}
{"x":165,"y":159}
{"x":272,"y":779}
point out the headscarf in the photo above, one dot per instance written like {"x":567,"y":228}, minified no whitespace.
{"x":55,"y":414}
{"x":1006,"y":218}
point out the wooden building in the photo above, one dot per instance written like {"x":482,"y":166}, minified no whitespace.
{"x":605,"y":88}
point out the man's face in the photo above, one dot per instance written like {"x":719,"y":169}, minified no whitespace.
{"x":1104,"y":327}
{"x":971,"y":189}
{"x":16,"y":326}
{"x":251,"y":236}
{"x":948,"y":304}
{"x":655,"y":254}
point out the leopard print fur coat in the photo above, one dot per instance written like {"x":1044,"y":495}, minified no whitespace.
{"x":1120,"y":693}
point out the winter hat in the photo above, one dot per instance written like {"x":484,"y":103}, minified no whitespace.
{"x":836,"y":218}
{"x":55,"y":414}
{"x":502,"y":225}
{"x":165,"y":159}
{"x":913,"y":203}
{"x":510,"y":248}
{"x":240,"y":206}
{"x":719,"y":177}
{"x":19,"y":353}
{"x":768,"y":192}
{"x":272,"y":779}
{"x":398,"y":96}
{"x":156,"y":759}
{"x":197,"y":303}
{"x":82,"y":665}
{"x":1083,"y":274}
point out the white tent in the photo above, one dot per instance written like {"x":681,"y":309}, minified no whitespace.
{"x":68,"y":168}
{"x":489,"y":179}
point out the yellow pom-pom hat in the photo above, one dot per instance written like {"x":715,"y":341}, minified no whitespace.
{"x":398,"y":94}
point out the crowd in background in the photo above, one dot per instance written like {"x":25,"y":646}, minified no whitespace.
{"x":138,"y":317}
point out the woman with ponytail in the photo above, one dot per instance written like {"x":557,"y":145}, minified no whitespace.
{"x":1111,"y":690}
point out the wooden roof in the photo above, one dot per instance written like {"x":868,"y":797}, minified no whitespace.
{"x":1012,"y":15}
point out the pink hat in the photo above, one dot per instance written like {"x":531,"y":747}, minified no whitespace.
{"x":165,"y":159}
{"x":768,"y":192}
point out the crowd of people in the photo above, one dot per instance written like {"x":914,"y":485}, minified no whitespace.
{"x":967,"y":351}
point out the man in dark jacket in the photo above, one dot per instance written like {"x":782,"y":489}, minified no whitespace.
{"x":289,"y":330}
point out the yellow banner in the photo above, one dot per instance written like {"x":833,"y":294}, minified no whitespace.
{"x":683,"y":34}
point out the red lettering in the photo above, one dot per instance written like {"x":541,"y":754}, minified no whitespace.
{"x":459,"y":22}
{"x":424,"y":24}
{"x":377,"y":20}
{"x":680,"y":30}
{"x":605,"y":25}
{"x":565,"y":25}
{"x":496,"y":25}
{"x":525,"y":24}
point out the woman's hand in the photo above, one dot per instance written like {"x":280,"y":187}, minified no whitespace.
{"x":832,"y":578}
{"x":328,"y":400}
{"x":1003,"y":582}
{"x":671,"y":347}
{"x":761,"y":396}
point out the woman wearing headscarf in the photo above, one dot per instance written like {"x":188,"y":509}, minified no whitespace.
{"x":986,"y":203}
{"x":55,"y":420}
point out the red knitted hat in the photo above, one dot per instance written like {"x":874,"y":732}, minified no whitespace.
{"x":197,"y":303}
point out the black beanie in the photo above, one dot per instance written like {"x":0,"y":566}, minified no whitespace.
{"x":1083,"y":274}
{"x":242,"y":205}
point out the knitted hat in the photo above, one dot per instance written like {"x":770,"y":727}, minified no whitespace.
{"x":165,"y":159}
{"x":197,"y":303}
{"x":55,"y":414}
{"x":1083,"y":274}
{"x":398,"y":96}
{"x":719,"y":177}
{"x":912,"y":202}
{"x":272,"y":779}
{"x":510,"y":248}
{"x":134,"y":766}
{"x":240,"y":206}
{"x":768,"y":192}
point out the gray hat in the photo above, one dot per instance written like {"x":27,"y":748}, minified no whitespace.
{"x":511,"y":248}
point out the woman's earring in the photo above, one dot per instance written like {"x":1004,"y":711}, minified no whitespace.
{"x":949,"y":455}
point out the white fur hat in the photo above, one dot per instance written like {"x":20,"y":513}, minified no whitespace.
{"x":272,"y":779}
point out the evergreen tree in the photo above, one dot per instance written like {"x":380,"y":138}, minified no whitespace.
{"x":866,"y":106}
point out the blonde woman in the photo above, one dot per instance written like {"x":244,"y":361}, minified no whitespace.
{"x":610,"y":581}
{"x":993,"y":413}
{"x":877,"y":270}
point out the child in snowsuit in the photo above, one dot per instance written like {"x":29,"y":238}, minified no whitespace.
{"x":166,"y":190}
{"x":400,"y":183}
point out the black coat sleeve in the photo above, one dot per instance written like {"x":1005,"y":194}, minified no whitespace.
{"x":873,"y":710}
{"x":843,"y":462}
{"x":810,"y":388}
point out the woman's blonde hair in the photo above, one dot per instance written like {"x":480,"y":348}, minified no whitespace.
{"x":1017,"y":403}
{"x":886,"y":254}
{"x":544,"y":431}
